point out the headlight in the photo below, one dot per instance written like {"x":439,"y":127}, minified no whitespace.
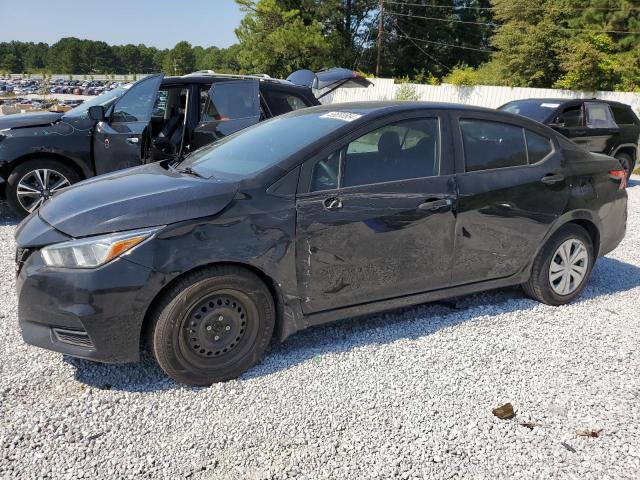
{"x":93,"y":251}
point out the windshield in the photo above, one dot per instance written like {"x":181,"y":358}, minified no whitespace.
{"x":105,"y":99}
{"x":263,"y":145}
{"x":535,"y":110}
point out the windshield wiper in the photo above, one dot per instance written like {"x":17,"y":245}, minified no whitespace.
{"x":190,"y":171}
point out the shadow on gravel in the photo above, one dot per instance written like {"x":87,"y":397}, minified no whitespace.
{"x":6,"y":217}
{"x":610,"y":276}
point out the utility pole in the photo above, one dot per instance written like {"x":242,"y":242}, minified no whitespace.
{"x":380,"y":25}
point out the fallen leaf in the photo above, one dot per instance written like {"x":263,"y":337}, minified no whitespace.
{"x":589,"y":433}
{"x":505,"y":412}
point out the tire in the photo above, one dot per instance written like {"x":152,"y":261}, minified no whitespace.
{"x":212,"y":325}
{"x":540,"y":286}
{"x":25,"y":173}
{"x":627,"y":163}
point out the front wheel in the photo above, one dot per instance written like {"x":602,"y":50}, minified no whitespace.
{"x":212,"y":325}
{"x":33,"y":182}
{"x":561,"y":269}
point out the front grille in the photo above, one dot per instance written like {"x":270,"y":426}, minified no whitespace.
{"x":22,"y":254}
{"x":79,"y":338}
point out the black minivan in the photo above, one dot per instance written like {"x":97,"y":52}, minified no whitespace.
{"x":316,"y":215}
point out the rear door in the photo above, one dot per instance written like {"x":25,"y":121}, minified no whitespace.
{"x":229,"y":107}
{"x":602,"y":129}
{"x":119,"y":141}
{"x":374,"y":215}
{"x":511,"y":188}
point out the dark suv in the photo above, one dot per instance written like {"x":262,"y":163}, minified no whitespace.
{"x":154,"y":119}
{"x":600,"y":126}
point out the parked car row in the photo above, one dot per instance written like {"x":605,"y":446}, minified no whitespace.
{"x":28,"y":86}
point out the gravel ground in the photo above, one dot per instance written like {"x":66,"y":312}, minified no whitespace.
{"x":407,"y":395}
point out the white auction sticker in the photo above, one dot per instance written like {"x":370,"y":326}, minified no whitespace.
{"x":344,"y":116}
{"x":549,"y":105}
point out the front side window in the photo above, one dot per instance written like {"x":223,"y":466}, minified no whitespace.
{"x":136,"y":105}
{"x":599,"y":116}
{"x":399,"y":151}
{"x":571,"y":117}
{"x":489,"y":145}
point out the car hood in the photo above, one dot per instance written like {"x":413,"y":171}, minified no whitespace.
{"x":22,"y":120}
{"x":135,"y":198}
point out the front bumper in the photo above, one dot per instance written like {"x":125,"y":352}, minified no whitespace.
{"x":95,"y":314}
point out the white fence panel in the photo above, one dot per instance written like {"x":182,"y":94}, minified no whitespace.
{"x":483,"y":96}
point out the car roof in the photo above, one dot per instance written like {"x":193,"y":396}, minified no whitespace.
{"x":565,"y":101}
{"x":208,"y":79}
{"x":370,"y":107}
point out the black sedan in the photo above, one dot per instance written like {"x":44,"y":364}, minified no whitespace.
{"x":320,"y":214}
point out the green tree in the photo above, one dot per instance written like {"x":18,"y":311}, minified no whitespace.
{"x":277,"y":41}
{"x":180,"y":59}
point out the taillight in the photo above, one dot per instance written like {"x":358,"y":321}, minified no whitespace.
{"x":619,"y":175}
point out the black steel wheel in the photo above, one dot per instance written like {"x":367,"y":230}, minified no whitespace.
{"x":212,"y":325}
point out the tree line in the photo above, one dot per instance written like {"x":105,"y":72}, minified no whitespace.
{"x":572,"y":44}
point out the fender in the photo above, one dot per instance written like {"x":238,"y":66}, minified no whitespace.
{"x":633,"y":146}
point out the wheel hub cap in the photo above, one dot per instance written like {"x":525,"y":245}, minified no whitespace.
{"x":568,"y":267}
{"x":215,"y":326}
{"x":38,"y":185}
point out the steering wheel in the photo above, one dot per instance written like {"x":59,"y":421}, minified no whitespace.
{"x":329,"y":172}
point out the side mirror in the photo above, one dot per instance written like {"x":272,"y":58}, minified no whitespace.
{"x":96,"y":113}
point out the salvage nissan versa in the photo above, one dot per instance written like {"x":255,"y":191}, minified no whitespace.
{"x":316,"y":215}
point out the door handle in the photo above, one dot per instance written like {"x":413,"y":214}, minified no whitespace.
{"x":332,"y":203}
{"x":433,"y":205}
{"x":550,"y":179}
{"x":133,"y":140}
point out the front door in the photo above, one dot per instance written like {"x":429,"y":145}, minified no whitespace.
{"x":119,"y":140}
{"x":375,"y":220}
{"x":228,"y":107}
{"x":511,"y":189}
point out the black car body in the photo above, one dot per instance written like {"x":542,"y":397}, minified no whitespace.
{"x":316,"y":215}
{"x":601,"y":126}
{"x":153,"y":119}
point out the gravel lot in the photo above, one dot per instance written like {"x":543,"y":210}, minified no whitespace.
{"x":406,"y":395}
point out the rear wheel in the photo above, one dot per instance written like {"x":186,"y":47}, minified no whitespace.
{"x":33,"y":182}
{"x":562,"y":268}
{"x":212,"y":325}
{"x":626,"y":162}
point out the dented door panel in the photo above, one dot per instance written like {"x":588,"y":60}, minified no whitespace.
{"x":379,"y":244}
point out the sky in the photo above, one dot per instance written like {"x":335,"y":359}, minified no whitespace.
{"x":157,"y":23}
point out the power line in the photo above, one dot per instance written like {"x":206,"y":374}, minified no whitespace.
{"x":533,"y":7}
{"x":494,"y":25}
{"x":464,"y":47}
{"x":420,"y":48}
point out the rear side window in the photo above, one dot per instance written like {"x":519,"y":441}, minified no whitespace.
{"x":283,"y":102}
{"x":599,"y":115}
{"x":623,"y":115}
{"x":538,"y":146}
{"x":231,"y":101}
{"x":489,"y":145}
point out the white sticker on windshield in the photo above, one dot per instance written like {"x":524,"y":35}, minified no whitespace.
{"x":550,"y":105}
{"x":344,"y":116}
